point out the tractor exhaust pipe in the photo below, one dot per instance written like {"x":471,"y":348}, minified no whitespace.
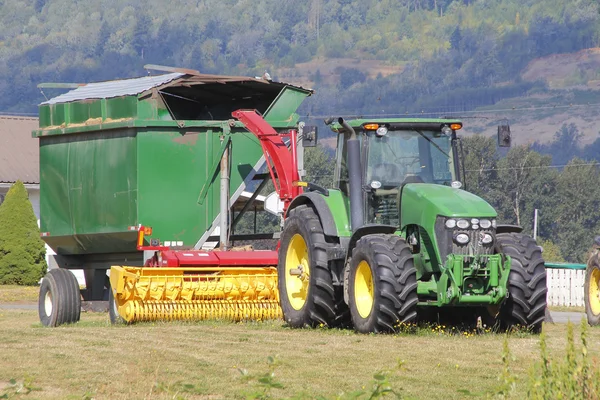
{"x":224,"y":202}
{"x":355,"y":177}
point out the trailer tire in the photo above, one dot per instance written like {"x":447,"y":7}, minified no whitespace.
{"x":113,"y":313}
{"x":59,"y":301}
{"x":307,"y":298}
{"x":592,"y":290}
{"x":526,"y":302}
{"x":382,"y":284}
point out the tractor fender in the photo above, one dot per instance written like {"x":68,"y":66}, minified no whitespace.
{"x":505,"y":228}
{"x":321,"y":208}
{"x":367,"y":230}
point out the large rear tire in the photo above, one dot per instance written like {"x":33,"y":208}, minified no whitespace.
{"x":592,"y":290}
{"x":382,"y":284}
{"x":306,"y":290}
{"x":60,"y":299}
{"x":526,"y":302}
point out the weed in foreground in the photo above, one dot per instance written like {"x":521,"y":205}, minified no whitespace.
{"x":263,"y":385}
{"x":571,"y":377}
{"x":18,"y":388}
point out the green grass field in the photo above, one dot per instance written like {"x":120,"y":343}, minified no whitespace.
{"x":93,"y":359}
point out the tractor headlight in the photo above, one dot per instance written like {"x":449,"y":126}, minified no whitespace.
{"x":451,"y":223}
{"x":461,"y":238}
{"x":494,"y":223}
{"x":487,"y":238}
{"x":485,"y":224}
{"x":462,"y":223}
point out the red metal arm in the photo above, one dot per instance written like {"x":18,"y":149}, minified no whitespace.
{"x":279,"y":159}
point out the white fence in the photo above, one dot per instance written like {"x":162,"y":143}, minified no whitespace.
{"x":565,"y":287}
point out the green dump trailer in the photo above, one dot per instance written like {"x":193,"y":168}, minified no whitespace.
{"x":146,"y":151}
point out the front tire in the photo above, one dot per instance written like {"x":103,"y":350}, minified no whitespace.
{"x":592,"y":291}
{"x":60,"y":299}
{"x":306,"y":291}
{"x":382,"y":284}
{"x":526,"y":302}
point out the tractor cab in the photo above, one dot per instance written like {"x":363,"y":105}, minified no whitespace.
{"x":395,"y":153}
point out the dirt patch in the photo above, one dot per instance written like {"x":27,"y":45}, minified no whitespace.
{"x":303,"y":73}
{"x":569,"y":70}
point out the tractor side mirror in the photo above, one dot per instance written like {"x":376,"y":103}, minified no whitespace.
{"x":504,"y":135}
{"x":309,"y":136}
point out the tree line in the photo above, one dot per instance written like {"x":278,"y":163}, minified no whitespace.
{"x":455,"y":54}
{"x":559,"y":179}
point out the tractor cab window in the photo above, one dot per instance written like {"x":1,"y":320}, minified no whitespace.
{"x":398,"y":158}
{"x":409,"y":156}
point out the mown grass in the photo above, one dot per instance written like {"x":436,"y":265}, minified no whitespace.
{"x":214,"y":360}
{"x":18,"y":294}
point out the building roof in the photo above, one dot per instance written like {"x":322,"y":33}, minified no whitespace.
{"x":19,"y":152}
{"x":110,"y":89}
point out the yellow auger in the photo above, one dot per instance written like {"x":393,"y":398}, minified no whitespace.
{"x":196,"y":293}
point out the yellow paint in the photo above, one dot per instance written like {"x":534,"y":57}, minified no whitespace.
{"x":364,"y":290}
{"x":238,"y":293}
{"x":296,"y":260}
{"x":594,"y":291}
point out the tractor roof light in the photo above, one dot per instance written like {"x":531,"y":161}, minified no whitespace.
{"x":381,"y":131}
{"x":455,"y":127}
{"x":371,"y":127}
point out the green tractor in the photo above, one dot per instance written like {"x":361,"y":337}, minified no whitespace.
{"x":398,"y":238}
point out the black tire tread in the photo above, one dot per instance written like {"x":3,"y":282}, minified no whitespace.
{"x":397,"y":277}
{"x":526,"y":303}
{"x":66,"y":298}
{"x":321,"y":307}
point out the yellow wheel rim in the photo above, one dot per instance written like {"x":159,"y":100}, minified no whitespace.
{"x":594,"y":292}
{"x":297,"y":272}
{"x":364,"y":290}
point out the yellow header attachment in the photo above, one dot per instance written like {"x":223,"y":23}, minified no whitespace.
{"x":198,"y":293}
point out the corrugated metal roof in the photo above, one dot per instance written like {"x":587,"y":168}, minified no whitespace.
{"x":19,"y":152}
{"x":109,"y":89}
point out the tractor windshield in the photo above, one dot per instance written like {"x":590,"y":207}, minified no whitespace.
{"x":409,"y":156}
{"x":400,"y":157}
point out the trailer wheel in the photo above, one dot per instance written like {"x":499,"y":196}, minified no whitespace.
{"x":526,"y":302}
{"x":592,"y":291}
{"x":306,"y":290}
{"x":113,"y":313}
{"x":382,"y":284}
{"x":60,"y":299}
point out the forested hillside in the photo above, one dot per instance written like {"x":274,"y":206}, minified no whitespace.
{"x":449,"y":54}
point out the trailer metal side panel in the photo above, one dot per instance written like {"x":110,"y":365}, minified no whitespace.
{"x":111,"y":163}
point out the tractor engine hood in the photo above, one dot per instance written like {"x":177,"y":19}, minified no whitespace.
{"x":421,"y":199}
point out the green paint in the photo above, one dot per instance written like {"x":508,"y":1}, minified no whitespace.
{"x":340,"y":210}
{"x":467,"y":281}
{"x":289,"y":99}
{"x":565,"y":266}
{"x":421,"y":201}
{"x":108,"y":164}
